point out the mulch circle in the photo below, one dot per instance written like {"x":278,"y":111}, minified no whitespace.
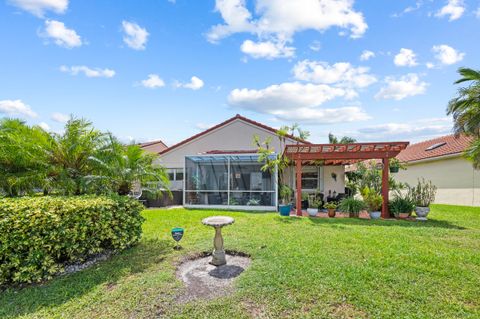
{"x":205,"y":281}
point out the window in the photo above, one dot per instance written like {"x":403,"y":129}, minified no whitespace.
{"x":434,"y":146}
{"x":175,"y":174}
{"x":310,"y":178}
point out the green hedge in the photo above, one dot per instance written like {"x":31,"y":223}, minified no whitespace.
{"x":39,"y":235}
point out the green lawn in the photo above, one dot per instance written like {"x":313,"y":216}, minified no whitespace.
{"x":319,"y":268}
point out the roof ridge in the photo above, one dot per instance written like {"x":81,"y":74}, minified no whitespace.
{"x":213,"y":128}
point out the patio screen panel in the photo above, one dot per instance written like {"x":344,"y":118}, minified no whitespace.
{"x":228,"y":180}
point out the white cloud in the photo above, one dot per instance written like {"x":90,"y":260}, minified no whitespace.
{"x":409,"y":9}
{"x":16,"y":108}
{"x":278,"y":20}
{"x":342,"y":74}
{"x":88,"y":72}
{"x":454,"y":9}
{"x":267,"y":49}
{"x":44,"y":126}
{"x":324,"y":115}
{"x":399,"y":89}
{"x":135,"y":36}
{"x":194,"y":84}
{"x":61,"y":35}
{"x":153,"y":81}
{"x":315,"y":46}
{"x":405,"y":57}
{"x":39,"y":7}
{"x":367,"y":55}
{"x":477,"y":13}
{"x":203,"y":126}
{"x":413,"y":130}
{"x":60,"y":117}
{"x":297,"y":101}
{"x":447,"y":55}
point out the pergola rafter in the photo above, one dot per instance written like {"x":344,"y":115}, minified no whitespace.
{"x":344,"y":154}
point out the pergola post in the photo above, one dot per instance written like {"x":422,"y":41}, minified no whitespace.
{"x":385,"y":187}
{"x":298,"y":172}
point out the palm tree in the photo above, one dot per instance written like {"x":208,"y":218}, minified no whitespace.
{"x":332,"y":139}
{"x":72,"y":155}
{"x":120,"y":167}
{"x":465,"y":109}
{"x":24,"y":154}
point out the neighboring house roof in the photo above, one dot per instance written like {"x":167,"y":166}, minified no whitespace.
{"x":230,"y":120}
{"x":154,"y":146}
{"x":437,"y":147}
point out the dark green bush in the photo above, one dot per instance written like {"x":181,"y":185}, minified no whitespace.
{"x":39,"y":235}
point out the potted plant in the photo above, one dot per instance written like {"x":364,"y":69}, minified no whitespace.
{"x":374,"y":201}
{"x":331,"y":206}
{"x":275,"y":162}
{"x":401,"y":206}
{"x":422,"y":195}
{"x":313,"y":204}
{"x":304,"y":201}
{"x":352,"y":206}
{"x":394,"y":165}
{"x":285,"y":196}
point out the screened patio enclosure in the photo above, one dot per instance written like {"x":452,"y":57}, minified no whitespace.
{"x":228,"y":181}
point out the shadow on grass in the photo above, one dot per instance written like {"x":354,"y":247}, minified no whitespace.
{"x":17,"y":302}
{"x":338,"y":222}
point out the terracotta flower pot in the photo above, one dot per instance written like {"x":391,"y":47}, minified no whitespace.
{"x":331,"y":212}
{"x":403,"y":215}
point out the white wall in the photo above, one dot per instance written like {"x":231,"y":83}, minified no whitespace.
{"x":237,"y":135}
{"x":457,"y":182}
{"x":329,"y":183}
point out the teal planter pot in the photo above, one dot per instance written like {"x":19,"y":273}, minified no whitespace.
{"x":284,"y":210}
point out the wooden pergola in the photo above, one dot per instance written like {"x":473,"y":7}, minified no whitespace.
{"x":344,"y":154}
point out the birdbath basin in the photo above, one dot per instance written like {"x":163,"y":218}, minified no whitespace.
{"x":217,"y":222}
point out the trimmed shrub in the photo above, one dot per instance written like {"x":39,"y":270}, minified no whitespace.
{"x":39,"y":235}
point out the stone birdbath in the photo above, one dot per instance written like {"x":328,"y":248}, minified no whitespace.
{"x":218,"y":256}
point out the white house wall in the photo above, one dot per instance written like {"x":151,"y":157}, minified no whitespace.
{"x":457,"y":182}
{"x":237,"y":135}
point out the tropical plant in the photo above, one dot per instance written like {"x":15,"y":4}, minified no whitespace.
{"x":465,"y":109}
{"x":275,"y":160}
{"x":72,"y":156}
{"x":120,"y":167}
{"x":372,"y":199}
{"x":368,"y":174}
{"x":330,"y":205}
{"x":352,"y":206}
{"x":285,"y":194}
{"x":24,"y":152}
{"x":332,"y":139}
{"x":401,"y":203}
{"x":423,"y":194}
{"x":313,"y":202}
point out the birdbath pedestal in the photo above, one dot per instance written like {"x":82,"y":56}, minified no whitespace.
{"x":217,"y":222}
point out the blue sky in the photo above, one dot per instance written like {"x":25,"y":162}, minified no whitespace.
{"x":160,"y":69}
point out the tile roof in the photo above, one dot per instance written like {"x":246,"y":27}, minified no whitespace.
{"x":230,"y":120}
{"x":441,"y":146}
{"x":153,"y":146}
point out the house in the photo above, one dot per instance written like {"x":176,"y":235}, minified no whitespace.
{"x":440,"y":160}
{"x":154,"y":146}
{"x":219,"y":168}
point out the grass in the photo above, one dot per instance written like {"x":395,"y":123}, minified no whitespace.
{"x":317,"y":268}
